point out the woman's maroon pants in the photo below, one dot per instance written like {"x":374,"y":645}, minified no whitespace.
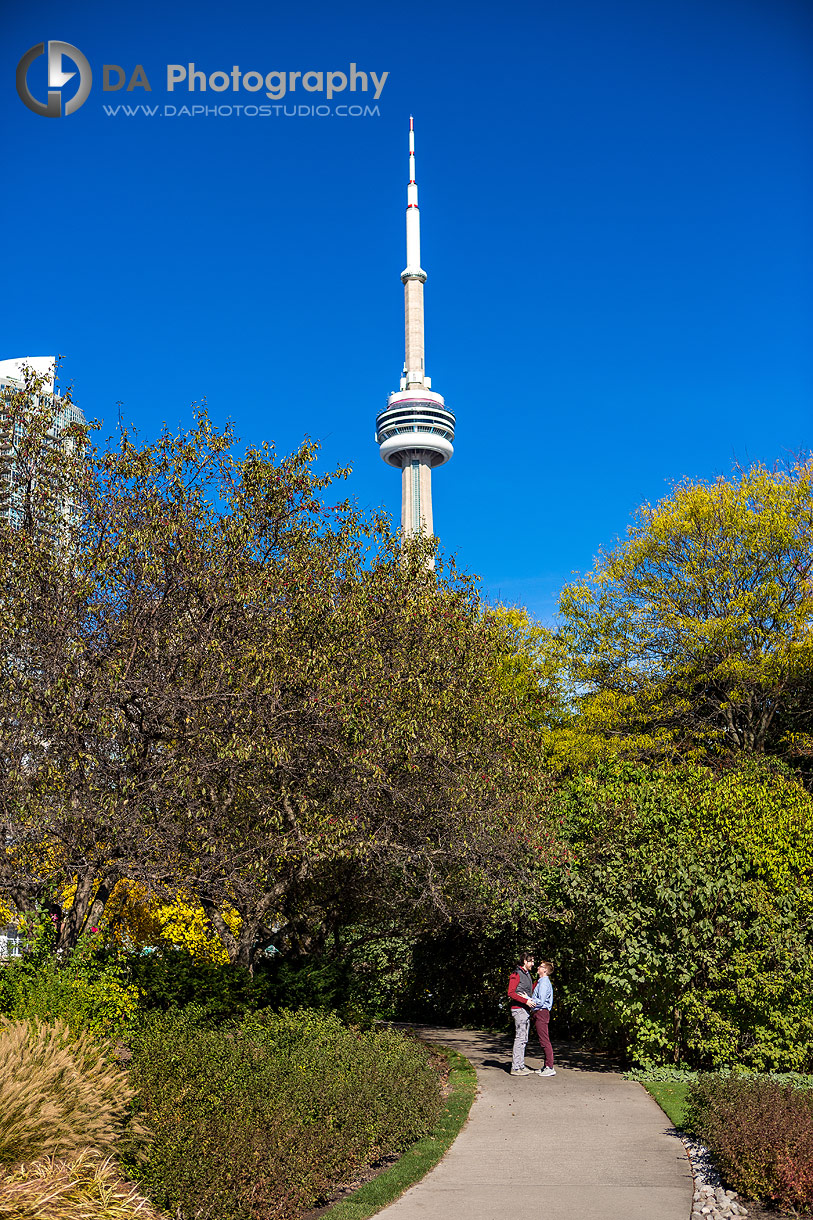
{"x":541,"y":1019}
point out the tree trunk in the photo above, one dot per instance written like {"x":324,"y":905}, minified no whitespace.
{"x":74,"y":919}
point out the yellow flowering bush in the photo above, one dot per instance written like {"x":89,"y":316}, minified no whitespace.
{"x":135,"y":918}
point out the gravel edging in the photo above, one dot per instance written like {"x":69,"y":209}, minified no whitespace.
{"x":709,"y":1201}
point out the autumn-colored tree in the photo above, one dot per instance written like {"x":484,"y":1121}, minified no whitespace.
{"x":694,"y":635}
{"x":389,"y":772}
{"x":218,"y":684}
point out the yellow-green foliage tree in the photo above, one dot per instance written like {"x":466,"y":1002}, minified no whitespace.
{"x":535,"y":666}
{"x":135,"y":919}
{"x":693,"y":636}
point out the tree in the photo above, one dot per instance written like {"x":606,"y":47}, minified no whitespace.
{"x":221,"y":685}
{"x":694,"y":635}
{"x":535,"y":665}
{"x":387,"y":778}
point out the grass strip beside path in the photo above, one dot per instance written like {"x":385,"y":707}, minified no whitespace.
{"x":670,"y":1097}
{"x":422,"y":1156}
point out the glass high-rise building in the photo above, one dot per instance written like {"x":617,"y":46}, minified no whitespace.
{"x":14,"y":476}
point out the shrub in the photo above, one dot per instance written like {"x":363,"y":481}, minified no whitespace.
{"x":761,"y":1135}
{"x":85,"y":994}
{"x":358,"y":978}
{"x":173,"y":978}
{"x":259,"y":1120}
{"x":361,"y":973}
{"x":60,"y":1093}
{"x":682,"y":927}
{"x":66,"y":1190}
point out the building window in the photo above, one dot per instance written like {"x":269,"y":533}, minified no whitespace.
{"x":11,"y":943}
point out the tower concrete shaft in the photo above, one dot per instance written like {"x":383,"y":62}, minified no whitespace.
{"x":414,"y":278}
{"x":416,"y":430}
{"x":416,"y":493}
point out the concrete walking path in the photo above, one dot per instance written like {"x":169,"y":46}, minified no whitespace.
{"x":582,"y":1145}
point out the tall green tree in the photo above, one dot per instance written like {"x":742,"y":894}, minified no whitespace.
{"x":694,"y":636}
{"x":219,"y":681}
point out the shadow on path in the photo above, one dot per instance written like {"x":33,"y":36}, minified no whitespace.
{"x":584,"y":1144}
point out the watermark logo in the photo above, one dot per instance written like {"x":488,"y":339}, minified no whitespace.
{"x":286,"y":91}
{"x":57,"y":78}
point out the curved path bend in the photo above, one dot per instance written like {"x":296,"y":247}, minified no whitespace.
{"x":582,"y":1145}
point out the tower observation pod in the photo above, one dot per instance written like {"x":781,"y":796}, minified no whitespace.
{"x":416,"y":429}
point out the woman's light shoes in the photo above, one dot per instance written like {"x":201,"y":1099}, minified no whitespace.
{"x":537,"y":1072}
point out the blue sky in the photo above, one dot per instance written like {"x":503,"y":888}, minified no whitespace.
{"x":615,"y":201}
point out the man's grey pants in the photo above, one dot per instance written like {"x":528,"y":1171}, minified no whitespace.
{"x":522,"y":1022}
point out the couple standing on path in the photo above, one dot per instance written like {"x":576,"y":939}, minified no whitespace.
{"x":529,"y":1001}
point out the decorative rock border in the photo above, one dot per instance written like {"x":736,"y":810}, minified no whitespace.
{"x":710,"y":1201}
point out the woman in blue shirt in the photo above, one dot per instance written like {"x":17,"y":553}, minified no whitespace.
{"x":543,"y":1000}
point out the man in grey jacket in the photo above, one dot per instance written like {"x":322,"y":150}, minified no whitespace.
{"x":520,"y":987}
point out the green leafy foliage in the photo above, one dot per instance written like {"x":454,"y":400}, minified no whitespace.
{"x":761,"y":1135}
{"x":676,"y":940}
{"x":359,"y":975}
{"x":90,"y":990}
{"x":172,"y":978}
{"x":105,"y":1004}
{"x":363,"y":973}
{"x":460,"y":975}
{"x":421,"y":1156}
{"x":258,"y":1119}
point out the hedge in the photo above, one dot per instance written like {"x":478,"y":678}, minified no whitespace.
{"x":259,"y":1120}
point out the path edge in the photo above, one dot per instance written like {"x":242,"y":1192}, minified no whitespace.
{"x":422,"y":1156}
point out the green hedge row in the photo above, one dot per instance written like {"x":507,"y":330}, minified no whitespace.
{"x":258,"y":1120}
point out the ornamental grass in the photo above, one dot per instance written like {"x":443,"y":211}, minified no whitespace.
{"x":82,"y":1188}
{"x":61,"y":1094}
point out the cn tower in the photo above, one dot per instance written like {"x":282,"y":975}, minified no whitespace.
{"x":415,"y":431}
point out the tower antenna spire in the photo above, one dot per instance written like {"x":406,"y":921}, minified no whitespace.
{"x":413,"y":272}
{"x":413,"y":216}
{"x":416,"y":430}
